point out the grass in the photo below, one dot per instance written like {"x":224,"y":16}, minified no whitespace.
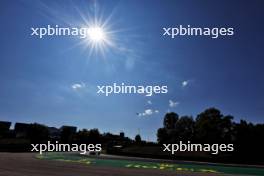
{"x":202,"y":168}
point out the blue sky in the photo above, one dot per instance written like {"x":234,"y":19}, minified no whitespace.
{"x":38,"y":76}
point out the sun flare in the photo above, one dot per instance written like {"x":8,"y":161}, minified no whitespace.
{"x":96,"y":34}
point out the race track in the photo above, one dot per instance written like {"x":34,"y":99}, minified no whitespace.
{"x":26,"y":164}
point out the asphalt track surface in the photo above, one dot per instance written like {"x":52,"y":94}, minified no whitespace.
{"x":26,"y":164}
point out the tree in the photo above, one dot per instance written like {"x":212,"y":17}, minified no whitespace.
{"x":212,"y":127}
{"x":122,"y":135}
{"x":4,"y":128}
{"x":184,"y":129}
{"x":83,"y":136}
{"x":67,"y":133}
{"x":227,"y":127}
{"x":170,"y":120}
{"x":162,"y":135}
{"x":37,"y":133}
{"x":94,"y":135}
{"x":208,"y":128}
{"x":138,"y":138}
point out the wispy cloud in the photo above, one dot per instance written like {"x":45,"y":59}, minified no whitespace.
{"x":173,"y":104}
{"x":149,"y":102}
{"x":78,"y":86}
{"x":185,"y":83}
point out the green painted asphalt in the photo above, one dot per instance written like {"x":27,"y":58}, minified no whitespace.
{"x":202,"y":168}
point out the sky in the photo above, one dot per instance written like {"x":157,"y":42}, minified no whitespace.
{"x":54,"y":80}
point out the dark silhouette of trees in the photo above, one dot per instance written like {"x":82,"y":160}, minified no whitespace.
{"x":94,"y":136}
{"x":249,"y":141}
{"x":122,"y":135}
{"x":227,"y":127}
{"x":88,"y":136}
{"x":37,"y":133}
{"x":185,"y":128}
{"x":83,"y":136}
{"x":162,"y":135}
{"x":4,"y":128}
{"x":176,"y":129}
{"x":67,"y":134}
{"x":138,"y":139}
{"x":170,"y":120}
{"x":210,"y":127}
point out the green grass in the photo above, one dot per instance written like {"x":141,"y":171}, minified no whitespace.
{"x":153,"y":165}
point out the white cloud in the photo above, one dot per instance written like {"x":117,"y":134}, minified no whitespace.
{"x":148,"y":112}
{"x":78,"y":86}
{"x":149,"y":102}
{"x":185,"y":83}
{"x":173,"y":104}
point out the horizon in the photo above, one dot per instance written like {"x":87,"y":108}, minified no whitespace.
{"x":147,"y":139}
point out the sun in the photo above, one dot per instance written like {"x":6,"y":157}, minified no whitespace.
{"x":98,"y":38}
{"x":96,"y":34}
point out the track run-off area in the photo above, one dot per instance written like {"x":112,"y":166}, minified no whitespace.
{"x":148,"y":164}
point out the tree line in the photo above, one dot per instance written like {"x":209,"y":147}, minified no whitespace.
{"x":212,"y":127}
{"x":208,"y":127}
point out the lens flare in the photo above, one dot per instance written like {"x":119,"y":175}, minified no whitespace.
{"x":96,"y":34}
